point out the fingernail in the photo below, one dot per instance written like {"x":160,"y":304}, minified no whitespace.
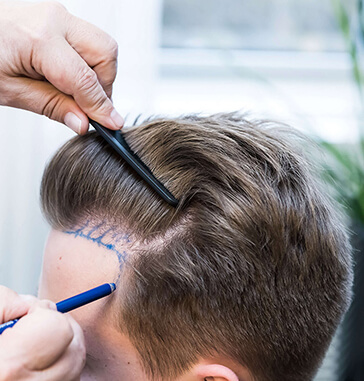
{"x":117,"y":118}
{"x":52,"y":306}
{"x":73,"y":122}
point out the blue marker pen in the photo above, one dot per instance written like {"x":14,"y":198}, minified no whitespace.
{"x":74,"y":302}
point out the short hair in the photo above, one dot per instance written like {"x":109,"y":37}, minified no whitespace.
{"x":254,"y":264}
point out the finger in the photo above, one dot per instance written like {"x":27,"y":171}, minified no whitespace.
{"x":40,"y":303}
{"x":68,"y":72}
{"x":43,"y":98}
{"x":34,"y":302}
{"x":39,"y":339}
{"x":12,"y":305}
{"x":97,"y":48}
{"x":69,"y":366}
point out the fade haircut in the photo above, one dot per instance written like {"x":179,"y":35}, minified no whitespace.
{"x":253,"y":265}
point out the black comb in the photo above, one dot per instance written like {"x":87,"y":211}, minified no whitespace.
{"x":118,"y":142}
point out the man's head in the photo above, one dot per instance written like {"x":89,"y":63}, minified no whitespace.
{"x":251,"y":274}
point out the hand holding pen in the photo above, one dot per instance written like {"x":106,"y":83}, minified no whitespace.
{"x":50,"y":344}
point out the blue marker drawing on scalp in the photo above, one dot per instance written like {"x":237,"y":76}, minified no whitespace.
{"x":81,"y":232}
{"x":78,"y":231}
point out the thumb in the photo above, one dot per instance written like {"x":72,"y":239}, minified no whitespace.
{"x":65,"y":69}
{"x":43,"y":98}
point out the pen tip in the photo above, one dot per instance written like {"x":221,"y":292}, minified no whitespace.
{"x":112,"y":286}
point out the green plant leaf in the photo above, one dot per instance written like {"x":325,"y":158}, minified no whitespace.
{"x":343,"y":19}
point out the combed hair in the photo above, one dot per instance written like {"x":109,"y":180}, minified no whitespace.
{"x":254,"y":264}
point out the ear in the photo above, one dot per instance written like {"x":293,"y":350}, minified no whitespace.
{"x":214,"y":372}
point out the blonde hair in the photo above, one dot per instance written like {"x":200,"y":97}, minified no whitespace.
{"x":254,"y":264}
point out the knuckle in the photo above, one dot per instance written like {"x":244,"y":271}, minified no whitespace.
{"x":101,"y":102}
{"x":51,"y":105}
{"x":87,"y":79}
{"x":50,"y":10}
{"x":7,"y":295}
{"x":36,"y":36}
{"x":3,"y":291}
{"x":44,"y":303}
{"x":54,"y":7}
{"x":112,"y":59}
{"x":30,"y":299}
{"x":88,"y":85}
{"x":114,"y":49}
{"x":107,"y":79}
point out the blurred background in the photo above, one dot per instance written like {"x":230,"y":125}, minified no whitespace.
{"x":297,"y":61}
